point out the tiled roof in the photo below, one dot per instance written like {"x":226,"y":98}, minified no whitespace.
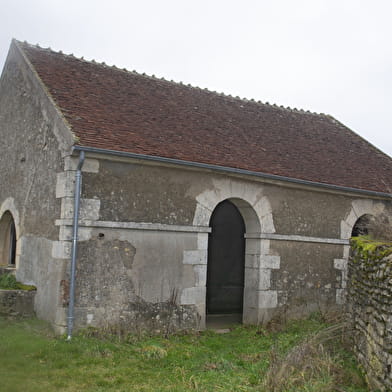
{"x":119,"y":110}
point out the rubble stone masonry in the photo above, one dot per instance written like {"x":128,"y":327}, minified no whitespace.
{"x":370,"y":309}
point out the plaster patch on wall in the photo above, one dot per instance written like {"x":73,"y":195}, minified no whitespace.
{"x":193,"y":295}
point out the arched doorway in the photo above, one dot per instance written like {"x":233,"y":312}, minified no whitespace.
{"x":7,"y":240}
{"x":226,"y":262}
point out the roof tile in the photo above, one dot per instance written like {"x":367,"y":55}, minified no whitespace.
{"x":119,"y":110}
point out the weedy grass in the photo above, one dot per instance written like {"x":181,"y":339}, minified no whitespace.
{"x":305,"y":355}
{"x":9,"y":282}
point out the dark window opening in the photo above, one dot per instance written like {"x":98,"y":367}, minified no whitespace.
{"x":7,"y":240}
{"x":361,"y":226}
{"x":12,"y":245}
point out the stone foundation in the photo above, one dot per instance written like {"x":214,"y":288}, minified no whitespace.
{"x":17,"y":303}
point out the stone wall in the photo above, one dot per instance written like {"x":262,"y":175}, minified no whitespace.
{"x":17,"y":303}
{"x":144,"y":233}
{"x":34,"y":140}
{"x":370,"y":309}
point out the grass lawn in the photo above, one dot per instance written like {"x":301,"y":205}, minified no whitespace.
{"x":245,"y":359}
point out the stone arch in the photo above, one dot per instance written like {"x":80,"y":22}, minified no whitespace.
{"x":255,"y":208}
{"x":9,"y":233}
{"x":359,"y":208}
{"x":248,"y":198}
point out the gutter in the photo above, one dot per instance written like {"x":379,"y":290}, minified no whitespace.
{"x":231,"y":170}
{"x":71,"y":306}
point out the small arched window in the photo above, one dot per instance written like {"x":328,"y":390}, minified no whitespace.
{"x":362,"y":224}
{"x":7,"y":240}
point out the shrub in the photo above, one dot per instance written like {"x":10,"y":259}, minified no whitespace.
{"x":9,"y":282}
{"x":317,"y":361}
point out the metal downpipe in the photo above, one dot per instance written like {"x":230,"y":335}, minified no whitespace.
{"x":78,"y":181}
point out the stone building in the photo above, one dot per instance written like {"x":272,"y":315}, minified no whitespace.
{"x":191,"y":204}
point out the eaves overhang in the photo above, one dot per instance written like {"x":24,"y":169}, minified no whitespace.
{"x":231,"y":170}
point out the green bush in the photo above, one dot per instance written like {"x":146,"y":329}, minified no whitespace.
{"x":9,"y":282}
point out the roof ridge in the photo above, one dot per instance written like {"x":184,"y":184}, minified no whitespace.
{"x":180,"y":83}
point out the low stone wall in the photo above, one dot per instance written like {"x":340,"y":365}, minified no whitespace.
{"x":17,"y":303}
{"x":6,"y":270}
{"x":370,"y":309}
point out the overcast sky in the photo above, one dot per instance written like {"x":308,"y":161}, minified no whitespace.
{"x":326,"y":56}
